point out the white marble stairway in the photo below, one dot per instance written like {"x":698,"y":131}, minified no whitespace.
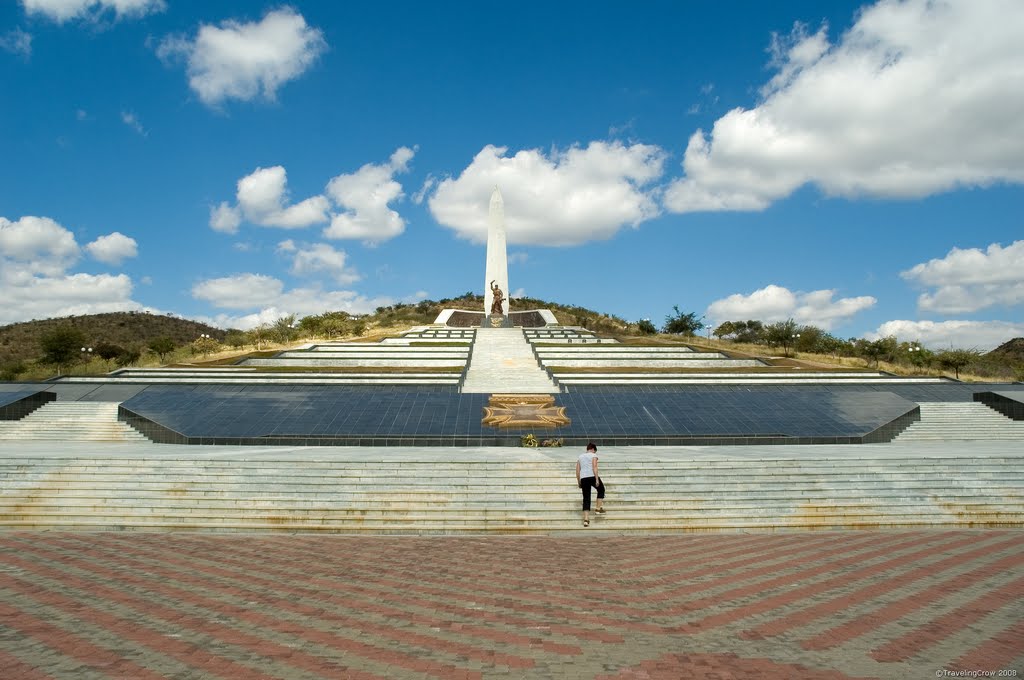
{"x":503,"y":361}
{"x":969,"y":420}
{"x":421,"y":493}
{"x":71,"y":421}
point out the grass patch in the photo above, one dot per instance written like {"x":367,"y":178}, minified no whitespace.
{"x":464,"y":343}
{"x":350,"y":369}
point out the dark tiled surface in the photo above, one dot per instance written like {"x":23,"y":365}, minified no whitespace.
{"x":442,"y":416}
{"x":18,"y":403}
{"x":1010,"y":404}
{"x":917,"y":392}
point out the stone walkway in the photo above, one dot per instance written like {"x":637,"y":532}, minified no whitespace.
{"x":919,"y":604}
{"x":502,"y":361}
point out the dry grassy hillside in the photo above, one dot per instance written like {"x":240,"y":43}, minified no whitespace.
{"x":19,"y":342}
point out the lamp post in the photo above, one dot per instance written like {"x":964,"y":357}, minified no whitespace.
{"x":796,"y":338}
{"x":203,"y":343}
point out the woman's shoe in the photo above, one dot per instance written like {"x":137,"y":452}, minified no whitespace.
{"x":600,"y":511}
{"x":586,"y":522}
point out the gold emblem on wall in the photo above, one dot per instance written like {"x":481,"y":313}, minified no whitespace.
{"x":524,"y":410}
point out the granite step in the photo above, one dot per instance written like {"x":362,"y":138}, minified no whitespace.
{"x":385,"y":496}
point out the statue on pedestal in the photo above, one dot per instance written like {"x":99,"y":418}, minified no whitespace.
{"x":499,"y":298}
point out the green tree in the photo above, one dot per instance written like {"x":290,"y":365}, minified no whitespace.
{"x":284,"y":329}
{"x":957,"y":359}
{"x":809,"y":340}
{"x":235,"y":338}
{"x":128,"y":357}
{"x":259,"y":335}
{"x":162,"y":346}
{"x":204,"y":344}
{"x":682,"y":324}
{"x":11,"y":370}
{"x":830,"y":344}
{"x":724,"y":329}
{"x":876,"y":350}
{"x":781,"y":333}
{"x":108,"y":350}
{"x":61,"y":346}
{"x":915,"y":355}
{"x":646,"y":327}
{"x":750,"y":331}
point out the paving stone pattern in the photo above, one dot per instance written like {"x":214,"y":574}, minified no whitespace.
{"x":809,"y":605}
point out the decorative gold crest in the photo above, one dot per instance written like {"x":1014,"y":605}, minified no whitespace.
{"x":524,"y":410}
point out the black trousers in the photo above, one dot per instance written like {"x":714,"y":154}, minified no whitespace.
{"x":586,"y":483}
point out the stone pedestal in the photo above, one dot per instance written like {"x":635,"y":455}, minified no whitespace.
{"x":497,"y":321}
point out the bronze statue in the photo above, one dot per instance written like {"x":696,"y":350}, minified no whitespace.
{"x":499,"y":297}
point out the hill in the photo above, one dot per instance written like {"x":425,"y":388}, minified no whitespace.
{"x":19,"y":342}
{"x":1011,"y":352}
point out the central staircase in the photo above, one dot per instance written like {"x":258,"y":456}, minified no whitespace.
{"x":515,"y":495}
{"x":503,"y":361}
{"x":94,"y":421}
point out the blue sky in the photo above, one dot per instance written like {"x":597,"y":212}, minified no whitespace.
{"x":854,"y":166}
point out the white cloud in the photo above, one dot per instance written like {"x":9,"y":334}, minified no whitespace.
{"x":776,"y":303}
{"x":262,"y":199}
{"x":113,"y":249}
{"x":967,"y":280}
{"x":910,"y":102}
{"x":17,"y":41}
{"x":518,"y":257}
{"x":43,"y":297}
{"x":35,"y":254}
{"x":225,"y":218}
{"x":562,"y":198}
{"x":981,"y":335}
{"x":37,"y":245}
{"x":131,"y":120}
{"x":429,"y":183}
{"x":65,"y":10}
{"x":364,"y":197}
{"x":239,"y":60}
{"x":242,"y":291}
{"x":270,"y":301}
{"x":317,"y":258}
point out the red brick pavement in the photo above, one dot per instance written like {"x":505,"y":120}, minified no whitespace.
{"x":802,"y":605}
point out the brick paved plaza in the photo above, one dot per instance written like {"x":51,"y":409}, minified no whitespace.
{"x":899,"y":604}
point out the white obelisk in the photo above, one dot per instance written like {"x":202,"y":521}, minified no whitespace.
{"x":496,"y":270}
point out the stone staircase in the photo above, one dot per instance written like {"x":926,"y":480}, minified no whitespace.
{"x":71,"y":421}
{"x":503,"y":361}
{"x":969,"y":420}
{"x":415,"y":494}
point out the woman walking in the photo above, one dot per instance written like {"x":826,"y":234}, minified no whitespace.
{"x":586,"y":478}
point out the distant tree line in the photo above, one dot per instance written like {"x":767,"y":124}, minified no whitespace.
{"x":790,"y":337}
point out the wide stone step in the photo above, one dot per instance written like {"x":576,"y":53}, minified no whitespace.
{"x":622,"y":506}
{"x":390,"y":495}
{"x":961,"y":421}
{"x":519,"y":482}
{"x":504,"y":526}
{"x":71,"y":421}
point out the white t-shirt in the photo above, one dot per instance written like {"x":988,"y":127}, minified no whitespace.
{"x":587,"y":464}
